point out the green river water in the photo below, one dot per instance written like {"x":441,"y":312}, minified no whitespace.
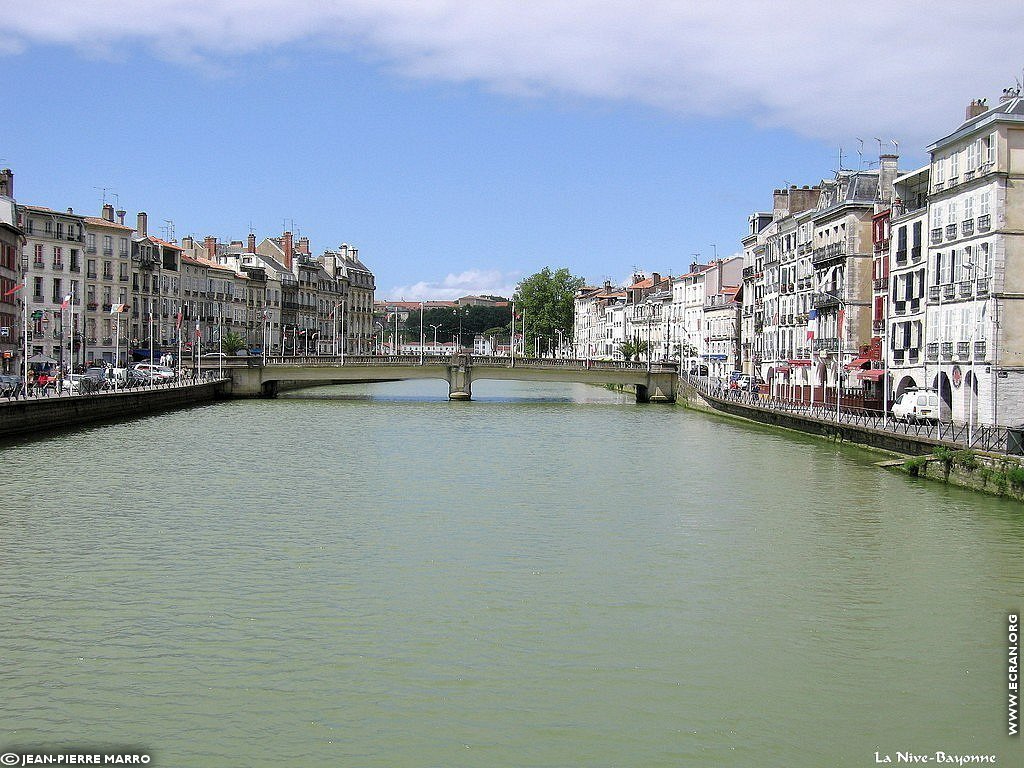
{"x":549,"y":576}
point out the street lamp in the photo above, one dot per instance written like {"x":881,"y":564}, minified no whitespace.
{"x":435,"y":327}
{"x":380,"y":346}
{"x":560,"y":351}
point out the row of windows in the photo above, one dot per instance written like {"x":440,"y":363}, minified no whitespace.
{"x":979,"y":152}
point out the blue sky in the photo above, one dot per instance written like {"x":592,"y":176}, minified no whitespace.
{"x":459,"y":150}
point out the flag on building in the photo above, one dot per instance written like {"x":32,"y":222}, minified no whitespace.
{"x":116,"y":308}
{"x":67,"y":300}
{"x":812,"y":324}
{"x":199,"y":333}
{"x":15,"y":289}
{"x":839,"y":323}
{"x":177,"y":320}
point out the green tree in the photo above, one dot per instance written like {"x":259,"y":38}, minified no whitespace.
{"x":546,"y":299}
{"x":471,"y":319}
{"x":232,"y":342}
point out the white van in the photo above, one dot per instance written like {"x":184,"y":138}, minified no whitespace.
{"x":917,"y":405}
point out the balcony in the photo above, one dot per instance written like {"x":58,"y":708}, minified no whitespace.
{"x":984,"y":223}
{"x":936,"y":236}
{"x":90,"y":275}
{"x":897,"y":356}
{"x":107,"y":341}
{"x":963,"y":350}
{"x":901,"y":257}
{"x":106,"y":307}
{"x":75,"y":266}
{"x":951,"y":231}
{"x":913,"y":355}
{"x":877,"y":326}
{"x":108,"y":275}
{"x":826,"y":345}
{"x":964,"y":288}
{"x":108,"y":251}
{"x":967,"y":228}
{"x":981,"y":350}
{"x":833,"y":252}
{"x":932,"y":351}
{"x":57,"y":265}
{"x":946,"y":350}
{"x":915,"y":253}
{"x":92,"y":340}
{"x":123,"y":278}
{"x":880,"y":283}
{"x":983,"y":284}
{"x":899,"y":308}
{"x":91,"y":249}
{"x":825,"y":300}
{"x":92,"y":305}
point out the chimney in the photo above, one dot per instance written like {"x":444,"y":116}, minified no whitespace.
{"x":888,"y":170}
{"x":1009,"y":94}
{"x":252,"y":243}
{"x":780,"y":203}
{"x":7,"y":182}
{"x":210,"y":242}
{"x":655,"y":279}
{"x":108,"y":212}
{"x":120,"y":216}
{"x":288,"y":249}
{"x":975,"y":108}
{"x":303,"y":246}
{"x":187,"y":242}
{"x":141,"y":228}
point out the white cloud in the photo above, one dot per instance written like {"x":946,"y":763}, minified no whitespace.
{"x":827,"y":69}
{"x":468,"y":283}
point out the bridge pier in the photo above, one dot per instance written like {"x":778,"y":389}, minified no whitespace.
{"x":460,"y":379}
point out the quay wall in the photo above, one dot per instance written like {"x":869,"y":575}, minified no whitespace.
{"x":908,"y":445}
{"x":38,"y":415}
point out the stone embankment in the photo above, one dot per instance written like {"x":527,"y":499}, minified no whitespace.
{"x":922,"y":456}
{"x":37,"y":415}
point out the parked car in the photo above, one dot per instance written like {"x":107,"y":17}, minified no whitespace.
{"x":73,"y":383}
{"x":159,"y":372}
{"x":917,"y":405}
{"x":745,"y":383}
{"x":213,"y":355}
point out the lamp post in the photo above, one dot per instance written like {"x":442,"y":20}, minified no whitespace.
{"x":560,"y":351}
{"x":435,"y":327}
{"x":380,"y":345}
{"x":421,"y":333}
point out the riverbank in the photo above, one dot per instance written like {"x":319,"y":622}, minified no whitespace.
{"x":48,"y":414}
{"x":921,"y":457}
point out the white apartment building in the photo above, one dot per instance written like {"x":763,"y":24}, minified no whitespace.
{"x":908,"y":254}
{"x":721,"y":332}
{"x":975,"y":316}
{"x":54,"y":242}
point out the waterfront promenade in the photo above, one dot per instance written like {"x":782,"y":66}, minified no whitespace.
{"x":860,"y":425}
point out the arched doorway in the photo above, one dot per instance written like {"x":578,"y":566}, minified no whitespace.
{"x":907,"y":382}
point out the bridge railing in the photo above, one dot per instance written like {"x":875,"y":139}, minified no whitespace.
{"x":322,"y":361}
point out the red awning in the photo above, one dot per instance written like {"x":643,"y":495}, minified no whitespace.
{"x":860,"y":362}
{"x":875,"y":374}
{"x":782,"y":368}
{"x":800,"y":363}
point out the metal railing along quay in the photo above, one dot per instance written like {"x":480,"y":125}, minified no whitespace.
{"x":12,"y":391}
{"x":995,"y":439}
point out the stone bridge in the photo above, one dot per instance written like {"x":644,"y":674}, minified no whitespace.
{"x":252,"y":377}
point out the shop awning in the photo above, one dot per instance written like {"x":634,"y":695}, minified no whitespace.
{"x":860,"y":362}
{"x":800,"y":363}
{"x":874,"y":374}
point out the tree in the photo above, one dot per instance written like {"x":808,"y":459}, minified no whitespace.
{"x":231,"y":342}
{"x":634,"y":348}
{"x":546,"y":298}
{"x":471,"y":319}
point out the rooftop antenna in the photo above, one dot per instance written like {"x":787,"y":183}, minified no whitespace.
{"x":168,"y":230}
{"x":896,"y":145}
{"x":105,"y":190}
{"x":860,"y":154}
